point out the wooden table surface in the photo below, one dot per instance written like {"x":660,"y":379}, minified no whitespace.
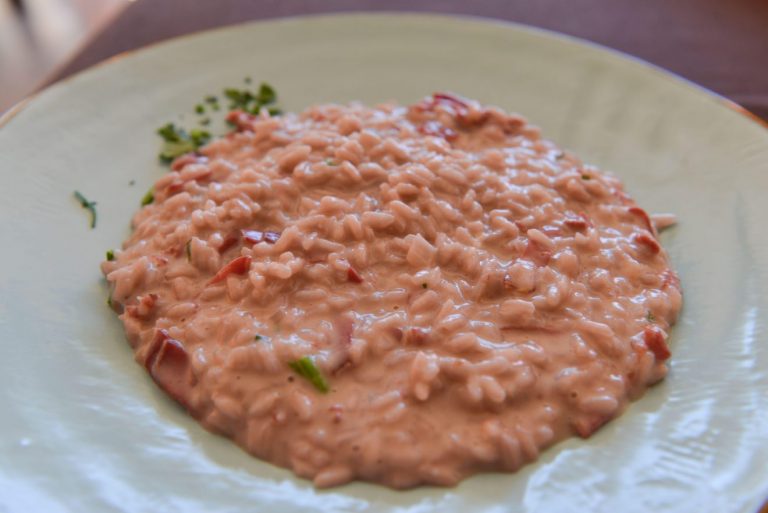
{"x":721,"y":45}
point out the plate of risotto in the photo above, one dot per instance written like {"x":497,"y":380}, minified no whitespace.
{"x":398,"y":263}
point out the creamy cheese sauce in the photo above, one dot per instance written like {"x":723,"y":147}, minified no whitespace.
{"x":469,"y":293}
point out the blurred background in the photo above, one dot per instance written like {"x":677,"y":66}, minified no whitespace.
{"x":719,"y":44}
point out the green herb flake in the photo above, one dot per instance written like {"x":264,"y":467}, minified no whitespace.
{"x":188,"y":250}
{"x":274,"y":111}
{"x":177,"y":141}
{"x":205,"y":121}
{"x":211,"y":99}
{"x":109,"y":301}
{"x":650,"y":317}
{"x":239,"y":99}
{"x":148,"y":198}
{"x":586,"y":177}
{"x":247,"y":80}
{"x":257,"y":338}
{"x":424,"y":285}
{"x":110,"y":255}
{"x":90,"y":206}
{"x":170,"y":133}
{"x":306,"y":368}
{"x":199,"y":108}
{"x":267,"y":94}
{"x":199,"y":137}
{"x":330,"y":162}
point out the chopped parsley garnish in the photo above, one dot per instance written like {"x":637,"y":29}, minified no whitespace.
{"x":650,"y":317}
{"x":257,"y":337}
{"x":248,"y":101}
{"x":424,"y":285}
{"x":306,"y":368}
{"x":176,"y":141}
{"x":90,"y":206}
{"x":586,"y":177}
{"x":188,"y":250}
{"x":149,"y":197}
{"x":267,"y":94}
{"x":330,"y":162}
{"x":110,"y":255}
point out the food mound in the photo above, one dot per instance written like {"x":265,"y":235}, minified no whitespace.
{"x":401,"y":295}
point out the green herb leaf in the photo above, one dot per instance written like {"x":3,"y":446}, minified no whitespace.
{"x":188,"y":250}
{"x":650,"y":317}
{"x":257,"y":337}
{"x":177,"y":142}
{"x":90,"y":206}
{"x":149,"y":197}
{"x":267,"y":94}
{"x":170,"y":133}
{"x":199,"y":108}
{"x":306,"y":368}
{"x":239,"y":99}
{"x":586,"y":177}
{"x":424,"y":285}
{"x":274,"y":111}
{"x":211,"y":99}
{"x":199,"y":137}
{"x":110,"y":255}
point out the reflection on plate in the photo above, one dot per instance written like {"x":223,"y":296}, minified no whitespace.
{"x":84,"y":429}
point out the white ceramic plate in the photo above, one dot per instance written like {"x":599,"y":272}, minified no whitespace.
{"x":84,"y":430}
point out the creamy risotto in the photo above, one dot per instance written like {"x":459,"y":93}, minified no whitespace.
{"x":403,"y":295}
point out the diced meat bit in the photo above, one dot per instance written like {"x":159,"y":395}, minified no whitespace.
{"x":655,"y":341}
{"x":168,"y":364}
{"x":343,"y":327}
{"x":642,"y":214}
{"x":460,"y":106}
{"x":353,"y":275}
{"x":536,"y":253}
{"x":229,"y":242}
{"x":649,"y":242}
{"x":578,"y":222}
{"x":257,"y":236}
{"x":239,"y":265}
{"x":416,"y":336}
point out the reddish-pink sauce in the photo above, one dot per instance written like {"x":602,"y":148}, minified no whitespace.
{"x":469,"y":293}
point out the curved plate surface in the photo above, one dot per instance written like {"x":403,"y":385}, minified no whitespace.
{"x":83,"y":428}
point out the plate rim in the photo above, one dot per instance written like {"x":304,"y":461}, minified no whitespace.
{"x":614,"y":53}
